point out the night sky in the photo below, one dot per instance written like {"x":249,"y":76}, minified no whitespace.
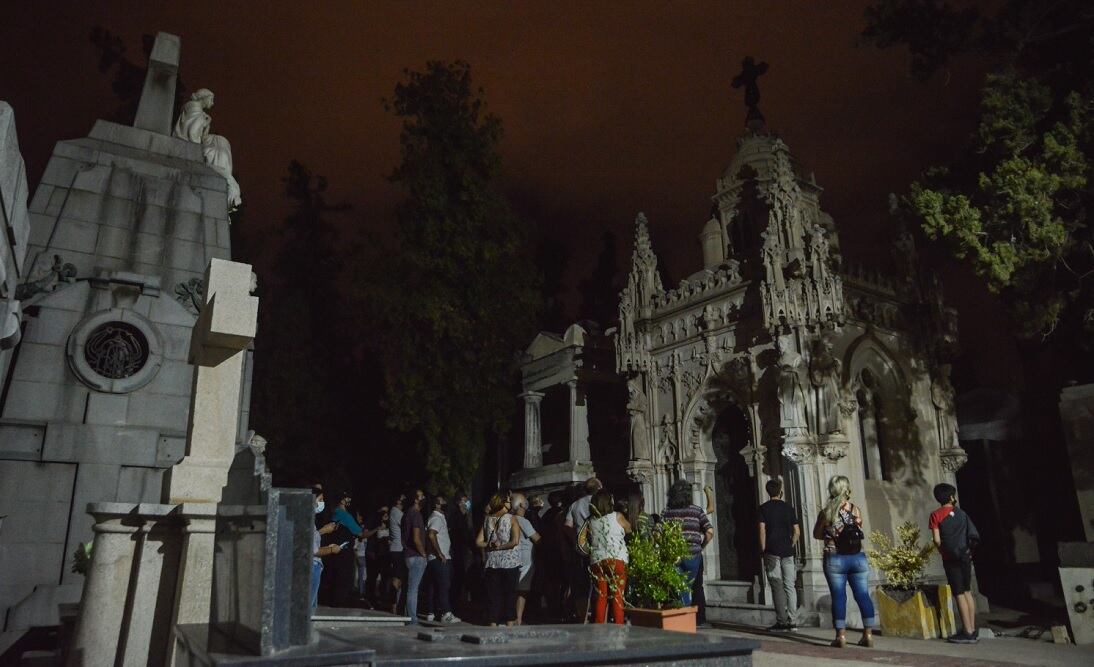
{"x":608,"y":109}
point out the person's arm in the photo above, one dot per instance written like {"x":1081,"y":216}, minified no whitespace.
{"x":763,"y":537}
{"x":480,"y":539}
{"x":937,"y":537}
{"x":709,"y":492}
{"x":708,"y":530}
{"x":434,"y":545}
{"x":795,"y":535}
{"x":343,"y":517}
{"x":328,"y":529}
{"x":622,"y":518}
{"x":416,"y":535}
{"x":329,"y":550}
{"x":818,"y":527}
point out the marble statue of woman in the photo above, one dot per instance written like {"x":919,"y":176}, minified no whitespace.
{"x":791,"y":397}
{"x":193,"y":125}
{"x":636,"y":407}
{"x":824,"y":373}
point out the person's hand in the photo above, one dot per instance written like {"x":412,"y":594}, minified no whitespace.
{"x":337,"y":548}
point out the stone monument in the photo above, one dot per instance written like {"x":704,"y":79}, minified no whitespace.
{"x":99,"y":390}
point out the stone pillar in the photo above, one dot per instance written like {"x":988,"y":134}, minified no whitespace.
{"x":803,"y":473}
{"x":579,"y":425}
{"x":97,"y":636}
{"x":533,"y":437}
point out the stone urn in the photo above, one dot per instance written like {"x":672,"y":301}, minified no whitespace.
{"x":922,"y":613}
{"x":681,"y":619}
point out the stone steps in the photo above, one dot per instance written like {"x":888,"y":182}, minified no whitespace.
{"x":726,"y":592}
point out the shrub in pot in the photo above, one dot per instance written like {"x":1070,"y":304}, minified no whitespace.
{"x":906,"y":606}
{"x":654,"y":583}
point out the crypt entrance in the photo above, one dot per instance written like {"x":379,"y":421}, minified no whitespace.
{"x":736,"y":506}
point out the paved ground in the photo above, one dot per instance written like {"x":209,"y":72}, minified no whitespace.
{"x":809,"y":646}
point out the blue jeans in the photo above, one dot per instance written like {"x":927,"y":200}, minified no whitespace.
{"x":415,"y":566}
{"x":316,"y":575}
{"x":839,"y":570}
{"x":362,"y":575}
{"x":691,"y":567}
{"x":437,"y":586}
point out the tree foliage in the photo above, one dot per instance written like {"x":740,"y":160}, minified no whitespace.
{"x":1016,"y":205}
{"x":458,"y":298}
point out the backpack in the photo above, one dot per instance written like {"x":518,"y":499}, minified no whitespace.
{"x":849,"y":538}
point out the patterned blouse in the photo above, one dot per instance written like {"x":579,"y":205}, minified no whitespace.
{"x":846,"y":516}
{"x":695,"y":524}
{"x":500,"y":529}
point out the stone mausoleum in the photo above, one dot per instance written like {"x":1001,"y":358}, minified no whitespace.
{"x":774,"y":359}
{"x":99,"y":299}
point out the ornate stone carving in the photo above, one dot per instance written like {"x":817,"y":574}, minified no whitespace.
{"x":792,"y":415}
{"x":942,"y":396}
{"x":825,"y":372}
{"x":798,"y":451}
{"x":194,"y":125}
{"x":636,"y":302}
{"x":636,"y":408}
{"x":953,"y":459}
{"x":47,"y":280}
{"x":191,"y":294}
{"x":750,"y":73}
{"x":833,"y":449}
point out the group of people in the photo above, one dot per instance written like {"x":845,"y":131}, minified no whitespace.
{"x":839,"y":526}
{"x":421,"y":557}
{"x":409,"y":552}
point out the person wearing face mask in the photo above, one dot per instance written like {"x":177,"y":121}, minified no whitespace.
{"x":343,"y":565}
{"x":439,"y":576}
{"x":461,"y":534}
{"x":318,"y":552}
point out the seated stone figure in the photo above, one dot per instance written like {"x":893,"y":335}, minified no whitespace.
{"x":193,"y":125}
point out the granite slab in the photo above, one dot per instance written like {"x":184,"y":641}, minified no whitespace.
{"x":204,"y":646}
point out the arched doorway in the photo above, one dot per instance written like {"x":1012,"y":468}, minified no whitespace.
{"x":736,"y":513}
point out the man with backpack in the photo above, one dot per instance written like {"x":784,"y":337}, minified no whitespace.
{"x":955,"y":536}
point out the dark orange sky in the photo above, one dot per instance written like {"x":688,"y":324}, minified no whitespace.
{"x":609,"y":108}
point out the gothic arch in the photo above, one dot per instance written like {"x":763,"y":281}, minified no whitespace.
{"x":885,"y":417}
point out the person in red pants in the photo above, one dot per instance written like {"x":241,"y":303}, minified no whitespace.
{"x":608,"y":555}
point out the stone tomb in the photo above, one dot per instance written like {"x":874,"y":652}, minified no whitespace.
{"x":486,"y":647}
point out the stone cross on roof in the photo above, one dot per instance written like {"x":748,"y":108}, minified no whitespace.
{"x":750,"y":73}
{"x":157,"y":105}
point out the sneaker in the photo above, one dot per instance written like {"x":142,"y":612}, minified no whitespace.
{"x":790,"y":627}
{"x":778,"y":627}
{"x":962,"y":637}
{"x":429,"y":618}
{"x":450,"y":618}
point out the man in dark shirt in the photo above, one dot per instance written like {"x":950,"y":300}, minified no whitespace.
{"x":414,"y":553}
{"x":779,"y":533}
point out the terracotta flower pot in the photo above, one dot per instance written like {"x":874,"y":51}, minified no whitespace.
{"x":677,"y":620}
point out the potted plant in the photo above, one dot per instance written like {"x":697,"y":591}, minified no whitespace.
{"x":906,"y":606}
{"x":654,"y":583}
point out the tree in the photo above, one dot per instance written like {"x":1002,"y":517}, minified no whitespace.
{"x":1017,"y":205}
{"x":458,"y":297}
{"x":302,"y":344}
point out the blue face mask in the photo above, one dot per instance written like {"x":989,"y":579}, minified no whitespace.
{"x":320,"y":506}
{"x":467,"y":506}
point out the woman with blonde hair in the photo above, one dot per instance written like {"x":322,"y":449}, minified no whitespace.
{"x":839,"y":524}
{"x":499,"y":537}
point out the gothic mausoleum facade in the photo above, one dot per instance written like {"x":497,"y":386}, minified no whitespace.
{"x":774,"y":359}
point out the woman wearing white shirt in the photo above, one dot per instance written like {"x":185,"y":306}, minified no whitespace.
{"x":608,"y":555}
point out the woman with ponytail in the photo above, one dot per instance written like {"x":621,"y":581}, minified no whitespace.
{"x":839,"y":524}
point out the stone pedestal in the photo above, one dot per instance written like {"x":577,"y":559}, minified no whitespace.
{"x":579,"y":425}
{"x":533,"y":439}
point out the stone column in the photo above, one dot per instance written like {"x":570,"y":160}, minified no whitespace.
{"x":579,"y":425}
{"x":533,"y":436}
{"x":98,"y":634}
{"x":803,"y":474}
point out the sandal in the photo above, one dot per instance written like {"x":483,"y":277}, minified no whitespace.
{"x":867,"y":641}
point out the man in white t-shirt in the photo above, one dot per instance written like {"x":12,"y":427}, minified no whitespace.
{"x":398,"y":563}
{"x":528,"y":537}
{"x":576,"y":517}
{"x":439,"y":569}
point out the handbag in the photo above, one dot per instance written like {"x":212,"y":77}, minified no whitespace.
{"x":582,"y":544}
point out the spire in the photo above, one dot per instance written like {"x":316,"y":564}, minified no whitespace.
{"x":636,"y":301}
{"x":157,"y":105}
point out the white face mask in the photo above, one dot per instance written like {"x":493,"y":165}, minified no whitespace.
{"x":320,"y":506}
{"x":467,"y":505}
